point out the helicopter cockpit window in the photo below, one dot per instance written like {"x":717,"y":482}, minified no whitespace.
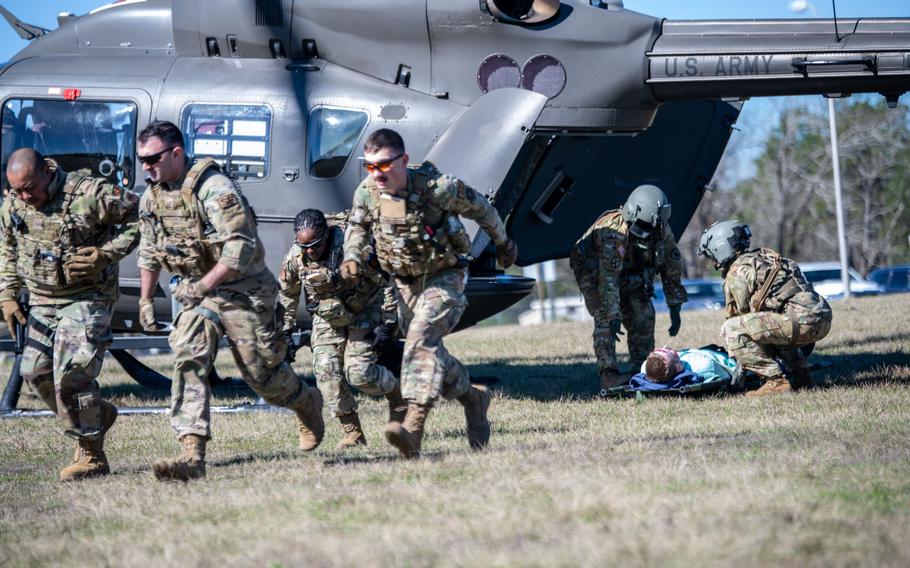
{"x":79,"y":135}
{"x":332,"y":134}
{"x":235,"y":136}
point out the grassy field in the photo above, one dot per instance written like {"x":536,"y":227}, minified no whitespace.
{"x":819,"y":478}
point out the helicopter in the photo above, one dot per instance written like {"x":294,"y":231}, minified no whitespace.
{"x":554,"y":110}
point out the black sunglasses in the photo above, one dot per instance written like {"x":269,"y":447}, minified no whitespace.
{"x":153,"y":159}
{"x":311,"y":244}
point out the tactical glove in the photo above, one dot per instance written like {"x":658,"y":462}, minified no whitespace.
{"x":147,"y":316}
{"x":506,"y":253}
{"x":384,"y":337}
{"x":675,"y":321}
{"x":190,"y":293}
{"x":86,"y":262}
{"x":616,"y":328}
{"x":349,"y":270}
{"x":291,"y":354}
{"x":12,"y":313}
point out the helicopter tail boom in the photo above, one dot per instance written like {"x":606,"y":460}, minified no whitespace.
{"x":740,"y":59}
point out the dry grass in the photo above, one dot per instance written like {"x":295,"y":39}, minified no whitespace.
{"x":814,"y":479}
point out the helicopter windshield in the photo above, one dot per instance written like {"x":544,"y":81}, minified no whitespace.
{"x":80,"y":135}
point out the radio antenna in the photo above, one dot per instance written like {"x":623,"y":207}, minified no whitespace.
{"x":834,"y":8}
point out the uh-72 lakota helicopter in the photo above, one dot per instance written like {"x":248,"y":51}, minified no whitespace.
{"x":554,"y":110}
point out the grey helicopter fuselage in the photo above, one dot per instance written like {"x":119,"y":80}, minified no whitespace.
{"x":555,"y":121}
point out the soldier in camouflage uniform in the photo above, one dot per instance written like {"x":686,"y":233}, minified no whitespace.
{"x":615,"y":263}
{"x":345,"y":316}
{"x":62,"y":236}
{"x":412,"y":214}
{"x":195,"y":223}
{"x":772,"y":309}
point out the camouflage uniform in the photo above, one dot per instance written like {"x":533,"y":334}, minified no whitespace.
{"x":69,"y":321}
{"x":418,"y":239}
{"x":772,"y":310}
{"x":344,"y":316}
{"x":615,"y":273}
{"x":187,"y":227}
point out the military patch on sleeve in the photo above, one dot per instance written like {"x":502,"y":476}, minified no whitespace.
{"x":615,"y":263}
{"x":675,"y":255}
{"x":227,"y":200}
{"x":116,"y":191}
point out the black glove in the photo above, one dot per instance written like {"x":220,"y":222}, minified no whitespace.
{"x":616,"y":328}
{"x":291,"y":355}
{"x":675,"y":321}
{"x":384,"y":337}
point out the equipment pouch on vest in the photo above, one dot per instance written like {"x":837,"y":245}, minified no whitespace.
{"x":392,"y":208}
{"x":335,"y":313}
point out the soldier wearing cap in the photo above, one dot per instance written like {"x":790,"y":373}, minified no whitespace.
{"x":412,"y":215}
{"x":195,"y":223}
{"x":615,"y":263}
{"x":61,"y":236}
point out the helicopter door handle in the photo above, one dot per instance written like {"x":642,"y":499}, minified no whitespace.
{"x":290,"y":174}
{"x":803,"y":65}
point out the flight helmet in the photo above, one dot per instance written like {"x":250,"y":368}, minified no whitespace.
{"x":724,"y":241}
{"x":646,"y":210}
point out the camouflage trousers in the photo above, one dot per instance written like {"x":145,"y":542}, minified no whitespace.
{"x":344,"y":356}
{"x":758,"y":340}
{"x":244,"y":311}
{"x":428,"y":311}
{"x":63,"y":357}
{"x":637,"y":314}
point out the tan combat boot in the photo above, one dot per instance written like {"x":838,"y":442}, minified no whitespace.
{"x":190,"y":464}
{"x":353,"y":433}
{"x":476,"y":402}
{"x":613,"y":379}
{"x":310,"y":425}
{"x":397,"y":405}
{"x":774,"y":385}
{"x":802,"y":379}
{"x":90,"y":459}
{"x":407,"y":435}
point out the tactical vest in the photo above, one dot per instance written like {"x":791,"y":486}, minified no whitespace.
{"x":406,"y":244}
{"x":642,"y":259}
{"x":180,"y":227}
{"x":336,"y":296}
{"x":45,"y":241}
{"x":780,"y":279}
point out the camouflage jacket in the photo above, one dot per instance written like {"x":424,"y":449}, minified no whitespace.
{"x":417,"y":232}
{"x":762,"y":280}
{"x":201,"y":219}
{"x":323,"y":289}
{"x":35,"y":243}
{"x":608,"y":261}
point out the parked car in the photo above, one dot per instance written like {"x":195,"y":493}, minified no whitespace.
{"x":892,"y":278}
{"x":707,"y":294}
{"x":825,"y":277}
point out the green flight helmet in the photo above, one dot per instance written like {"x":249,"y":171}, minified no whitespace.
{"x":724,"y":241}
{"x":646,"y":210}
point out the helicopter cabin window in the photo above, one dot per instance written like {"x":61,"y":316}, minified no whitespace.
{"x":99,"y":136}
{"x":332,"y":134}
{"x":235,"y":136}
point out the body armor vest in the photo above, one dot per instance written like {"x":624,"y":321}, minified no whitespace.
{"x":780,"y":278}
{"x":332,"y":298}
{"x":407,"y":242}
{"x":181,"y":229}
{"x":45,"y":241}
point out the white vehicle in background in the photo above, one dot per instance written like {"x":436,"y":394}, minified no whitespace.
{"x":826,"y":279}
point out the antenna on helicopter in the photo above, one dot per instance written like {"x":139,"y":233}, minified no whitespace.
{"x":834,"y":8}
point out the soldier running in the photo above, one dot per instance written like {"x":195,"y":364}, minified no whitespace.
{"x":62,"y":237}
{"x":412,"y":214}
{"x":195,"y":223}
{"x":352,"y":321}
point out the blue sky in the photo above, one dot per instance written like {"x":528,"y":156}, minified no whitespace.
{"x":44,"y":13}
